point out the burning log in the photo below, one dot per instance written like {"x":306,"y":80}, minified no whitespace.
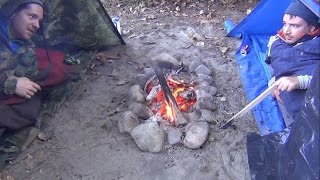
{"x":173,"y":109}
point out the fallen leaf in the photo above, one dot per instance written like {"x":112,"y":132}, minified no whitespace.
{"x":122,"y":82}
{"x":204,"y":21}
{"x":132,"y":36}
{"x":43,"y":137}
{"x":148,"y":42}
{"x":200,"y":44}
{"x":126,"y":32}
{"x":151,"y":16}
{"x":186,"y":46}
{"x":224,"y":49}
{"x":208,"y":37}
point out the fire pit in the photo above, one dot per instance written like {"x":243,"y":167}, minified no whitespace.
{"x":174,"y":104}
{"x":183,"y":94}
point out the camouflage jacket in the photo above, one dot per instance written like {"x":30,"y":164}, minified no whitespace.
{"x":17,"y":59}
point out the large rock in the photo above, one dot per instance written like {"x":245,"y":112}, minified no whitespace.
{"x":206,"y":103}
{"x":196,"y":134}
{"x":204,"y":80}
{"x":209,"y":89}
{"x":174,"y":136}
{"x":194,"y":65}
{"x":141,"y":80}
{"x":207,"y":116}
{"x":166,"y":60}
{"x":200,"y":93}
{"x":202,"y":69}
{"x":136,"y":94}
{"x":149,"y":137}
{"x":127,"y":122}
{"x":141,"y":110}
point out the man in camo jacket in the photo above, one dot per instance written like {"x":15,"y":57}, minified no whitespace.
{"x":21,"y":76}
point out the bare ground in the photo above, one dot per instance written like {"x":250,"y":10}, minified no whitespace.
{"x":84,"y":141}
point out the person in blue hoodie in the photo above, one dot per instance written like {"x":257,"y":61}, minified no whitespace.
{"x":294,"y":54}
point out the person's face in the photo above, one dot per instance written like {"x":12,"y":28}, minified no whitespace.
{"x":25,"y":23}
{"x":294,"y":28}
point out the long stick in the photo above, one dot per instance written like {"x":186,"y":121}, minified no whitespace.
{"x":251,"y":105}
{"x":169,"y":97}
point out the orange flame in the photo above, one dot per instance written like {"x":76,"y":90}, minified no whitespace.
{"x":160,"y":106}
{"x":170,"y":113}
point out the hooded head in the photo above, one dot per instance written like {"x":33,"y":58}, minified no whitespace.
{"x":13,"y":5}
{"x":25,"y":17}
{"x":299,"y":23}
{"x":297,"y":8}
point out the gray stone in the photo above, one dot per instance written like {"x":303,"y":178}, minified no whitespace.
{"x":166,"y":59}
{"x":194,"y":115}
{"x":174,"y":136}
{"x":202,"y":69}
{"x":207,"y":116}
{"x":204,"y":80}
{"x":183,"y":37}
{"x":141,"y":80}
{"x":149,"y":137}
{"x":200,"y":93}
{"x":206,"y":103}
{"x":141,"y":110}
{"x":193,"y":66}
{"x":127,"y":122}
{"x":148,"y":71}
{"x":180,"y":119}
{"x":136,"y":94}
{"x":196,"y":135}
{"x":209,"y":89}
{"x":208,"y":62}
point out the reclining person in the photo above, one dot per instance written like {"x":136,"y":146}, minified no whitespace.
{"x":25,"y":71}
{"x":294,"y":54}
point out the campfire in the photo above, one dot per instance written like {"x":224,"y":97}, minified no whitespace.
{"x":183,"y":93}
{"x":173,"y":105}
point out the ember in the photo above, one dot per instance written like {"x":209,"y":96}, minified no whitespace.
{"x":183,"y":93}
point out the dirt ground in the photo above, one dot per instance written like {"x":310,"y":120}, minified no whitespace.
{"x":84,"y":140}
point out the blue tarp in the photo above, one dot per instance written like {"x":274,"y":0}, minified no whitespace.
{"x":277,"y":152}
{"x":255,"y":30}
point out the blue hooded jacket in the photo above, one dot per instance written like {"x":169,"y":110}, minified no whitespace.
{"x":13,"y":45}
{"x":297,"y":59}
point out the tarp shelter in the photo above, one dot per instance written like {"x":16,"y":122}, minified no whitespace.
{"x":78,"y":23}
{"x":77,"y":27}
{"x":278,"y":152}
{"x":255,"y":30}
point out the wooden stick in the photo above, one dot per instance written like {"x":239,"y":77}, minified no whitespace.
{"x":251,"y":105}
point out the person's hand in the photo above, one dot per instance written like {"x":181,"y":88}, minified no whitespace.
{"x":26,"y":88}
{"x":286,"y":83}
{"x":276,"y":94}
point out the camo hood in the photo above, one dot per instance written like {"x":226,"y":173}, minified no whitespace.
{"x":10,"y":6}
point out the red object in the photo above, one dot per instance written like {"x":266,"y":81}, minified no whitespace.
{"x":57,"y":72}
